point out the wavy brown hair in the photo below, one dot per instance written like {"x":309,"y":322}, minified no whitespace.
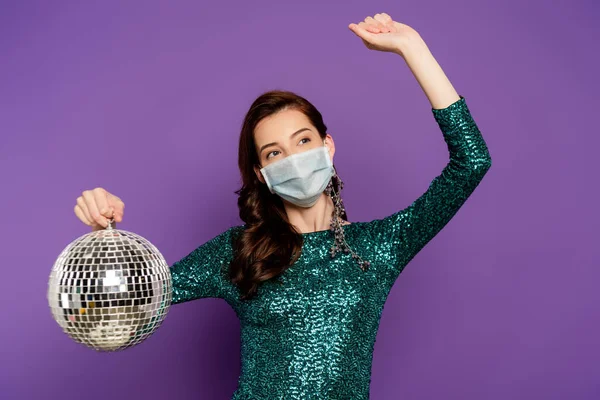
{"x":269,"y":244}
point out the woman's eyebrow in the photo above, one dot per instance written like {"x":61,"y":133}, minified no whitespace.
{"x":291,"y":136}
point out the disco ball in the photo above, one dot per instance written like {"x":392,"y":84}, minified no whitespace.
{"x":110,"y":289}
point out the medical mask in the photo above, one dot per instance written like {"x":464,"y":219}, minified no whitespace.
{"x":300,"y":178}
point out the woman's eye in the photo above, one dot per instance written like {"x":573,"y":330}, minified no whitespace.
{"x":276,"y":151}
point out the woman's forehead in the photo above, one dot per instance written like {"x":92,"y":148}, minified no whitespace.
{"x":280,"y":126}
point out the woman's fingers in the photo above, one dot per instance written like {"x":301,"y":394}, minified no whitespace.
{"x":379,"y":26}
{"x":361,"y":31}
{"x":88,"y":220}
{"x":90,"y":202}
{"x":379,"y":23}
{"x":384,"y":21}
{"x":368,"y":27}
{"x":102,"y":202}
{"x":81,"y":215}
{"x":95,"y":207}
{"x":383,"y":18}
{"x":117,"y":206}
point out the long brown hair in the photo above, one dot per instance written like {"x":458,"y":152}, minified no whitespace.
{"x":269,"y":244}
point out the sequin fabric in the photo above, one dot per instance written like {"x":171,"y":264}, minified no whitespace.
{"x":312,"y":335}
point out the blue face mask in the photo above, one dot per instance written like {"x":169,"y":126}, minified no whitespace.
{"x":300,"y":178}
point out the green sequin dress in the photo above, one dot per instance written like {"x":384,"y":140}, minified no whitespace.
{"x":313,"y":336}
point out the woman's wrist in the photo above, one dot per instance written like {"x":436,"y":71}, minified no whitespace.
{"x":411,"y":46}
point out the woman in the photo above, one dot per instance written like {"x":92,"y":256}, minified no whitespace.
{"x":308,"y":286}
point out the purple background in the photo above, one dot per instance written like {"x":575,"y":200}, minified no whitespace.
{"x":146,"y":99}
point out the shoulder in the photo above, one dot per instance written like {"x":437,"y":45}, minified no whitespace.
{"x":236,"y":230}
{"x":232,"y":234}
{"x":231,"y":231}
{"x":222,"y":242}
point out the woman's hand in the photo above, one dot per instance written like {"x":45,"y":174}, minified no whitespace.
{"x":382,"y":33}
{"x":95,"y":207}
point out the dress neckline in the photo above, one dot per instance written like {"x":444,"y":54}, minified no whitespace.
{"x":323,"y":231}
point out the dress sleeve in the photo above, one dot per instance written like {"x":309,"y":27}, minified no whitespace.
{"x":403,"y":234}
{"x":203,"y":272}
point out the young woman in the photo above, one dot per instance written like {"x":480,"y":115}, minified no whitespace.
{"x":308,"y":286}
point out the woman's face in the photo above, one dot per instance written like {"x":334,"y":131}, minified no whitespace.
{"x":285,"y":133}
